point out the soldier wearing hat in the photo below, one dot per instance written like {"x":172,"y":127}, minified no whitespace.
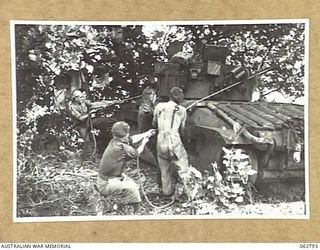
{"x":146,"y":108}
{"x":170,"y":118}
{"x":81,"y":110}
{"x":145,"y":117}
{"x":111,"y":178}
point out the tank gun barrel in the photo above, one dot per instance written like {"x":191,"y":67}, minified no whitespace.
{"x":260,"y":72}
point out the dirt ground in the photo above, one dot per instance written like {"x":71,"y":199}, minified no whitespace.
{"x":263,"y":205}
{"x":63,"y":185}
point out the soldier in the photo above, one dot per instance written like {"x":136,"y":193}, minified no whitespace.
{"x":145,"y":117}
{"x":81,"y":109}
{"x":146,"y":109}
{"x":111,"y":178}
{"x":170,"y":118}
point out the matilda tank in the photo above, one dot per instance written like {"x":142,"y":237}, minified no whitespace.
{"x":221,"y":116}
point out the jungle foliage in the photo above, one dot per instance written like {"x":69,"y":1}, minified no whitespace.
{"x":125,"y":54}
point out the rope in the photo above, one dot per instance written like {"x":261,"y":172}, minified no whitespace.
{"x":93,"y":137}
{"x":144,"y":193}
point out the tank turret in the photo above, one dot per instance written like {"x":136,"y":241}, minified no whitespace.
{"x":204,"y":73}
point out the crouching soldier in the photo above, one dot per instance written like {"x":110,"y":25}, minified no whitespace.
{"x":111,"y":178}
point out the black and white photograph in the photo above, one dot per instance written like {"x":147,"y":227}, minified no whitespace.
{"x":160,"y":120}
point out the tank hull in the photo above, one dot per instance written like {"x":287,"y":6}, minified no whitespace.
{"x":271,"y":133}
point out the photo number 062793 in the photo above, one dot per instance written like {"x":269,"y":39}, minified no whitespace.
{"x":158,"y":120}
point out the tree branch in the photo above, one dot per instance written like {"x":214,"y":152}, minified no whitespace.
{"x":90,"y":176}
{"x":162,"y":44}
{"x":80,"y":175}
{"x":267,"y":53}
{"x":271,"y":91}
{"x":81,"y":212}
{"x":42,"y":203}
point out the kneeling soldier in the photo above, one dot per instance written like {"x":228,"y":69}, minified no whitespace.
{"x":111,"y":178}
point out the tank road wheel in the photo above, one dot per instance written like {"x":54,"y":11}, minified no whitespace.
{"x":237,"y":158}
{"x":253,"y":158}
{"x":238,"y":164}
